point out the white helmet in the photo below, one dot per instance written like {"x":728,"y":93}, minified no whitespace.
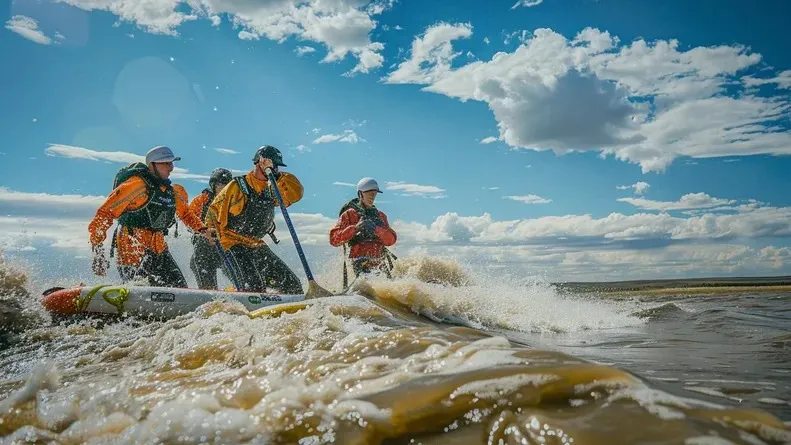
{"x":367,"y":184}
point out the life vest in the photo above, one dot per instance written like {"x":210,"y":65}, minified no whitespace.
{"x":159,"y":211}
{"x":370,"y":213}
{"x":257,"y":219}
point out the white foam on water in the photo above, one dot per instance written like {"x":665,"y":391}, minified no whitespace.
{"x":705,"y":390}
{"x":44,"y":377}
{"x":494,"y":388}
{"x":222,"y":377}
{"x":773,"y":401}
{"x":535,"y":307}
{"x":659,"y":403}
{"x":251,"y":377}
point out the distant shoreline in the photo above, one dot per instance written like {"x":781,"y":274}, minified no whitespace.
{"x":700,"y":290}
{"x":683,"y":286}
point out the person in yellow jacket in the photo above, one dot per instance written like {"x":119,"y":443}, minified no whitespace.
{"x":146,"y":205}
{"x":244,"y":212}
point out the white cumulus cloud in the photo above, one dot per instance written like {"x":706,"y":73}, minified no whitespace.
{"x":645,"y":103}
{"x":344,"y":27}
{"x":434,"y":50}
{"x":639,"y":187}
{"x":59,"y":204}
{"x":753,"y":239}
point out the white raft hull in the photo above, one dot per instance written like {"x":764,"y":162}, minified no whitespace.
{"x":159,"y":302}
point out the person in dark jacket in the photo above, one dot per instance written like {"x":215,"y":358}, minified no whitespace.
{"x":205,"y":259}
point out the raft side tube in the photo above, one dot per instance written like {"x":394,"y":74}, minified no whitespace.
{"x":61,"y":301}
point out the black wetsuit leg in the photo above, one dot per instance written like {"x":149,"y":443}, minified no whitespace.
{"x":258,"y":268}
{"x":204,"y":263}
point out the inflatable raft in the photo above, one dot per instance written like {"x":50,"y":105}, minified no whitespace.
{"x":148,"y":301}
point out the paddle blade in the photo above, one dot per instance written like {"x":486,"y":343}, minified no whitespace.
{"x":316,"y":291}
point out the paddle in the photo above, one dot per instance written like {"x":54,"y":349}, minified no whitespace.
{"x":228,"y":265}
{"x":314,"y":290}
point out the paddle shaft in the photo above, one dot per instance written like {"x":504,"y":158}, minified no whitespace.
{"x":291,"y":230}
{"x":228,"y":265}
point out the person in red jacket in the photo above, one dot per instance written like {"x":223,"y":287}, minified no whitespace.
{"x":365,"y":229}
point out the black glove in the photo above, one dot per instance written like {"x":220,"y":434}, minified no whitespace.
{"x":276,"y":172}
{"x":100,"y":263}
{"x":365,"y":227}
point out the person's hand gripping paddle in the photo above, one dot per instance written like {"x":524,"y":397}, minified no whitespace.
{"x":314,"y":290}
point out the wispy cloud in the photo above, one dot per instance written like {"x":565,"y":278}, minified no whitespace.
{"x":408,"y":189}
{"x":527,"y":3}
{"x":690,"y":201}
{"x":121,"y":157}
{"x":28,"y":28}
{"x":488,"y":140}
{"x":344,"y":184}
{"x":226,"y":151}
{"x":70,"y":151}
{"x":529,"y":199}
{"x":782,"y":80}
{"x":355,"y":123}
{"x":348,"y":136}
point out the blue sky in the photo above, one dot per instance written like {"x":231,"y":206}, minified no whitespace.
{"x":578,"y":139}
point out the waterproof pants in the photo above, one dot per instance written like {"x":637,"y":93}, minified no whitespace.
{"x":258,"y":268}
{"x":204,"y":262}
{"x":366,"y":265}
{"x":160,"y":269}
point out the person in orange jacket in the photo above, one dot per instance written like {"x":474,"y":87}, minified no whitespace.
{"x":146,"y":204}
{"x":244,"y":212}
{"x":205,"y":259}
{"x":366,"y":231}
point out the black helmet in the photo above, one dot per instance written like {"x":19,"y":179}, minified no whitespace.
{"x":270,"y":152}
{"x":220,"y":176}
